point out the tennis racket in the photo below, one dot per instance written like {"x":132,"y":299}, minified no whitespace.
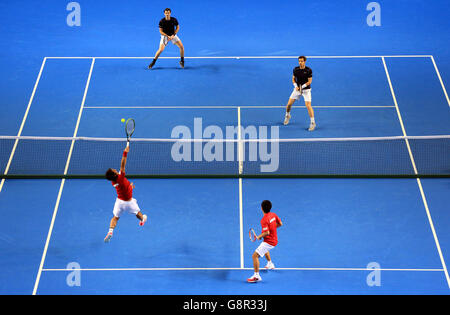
{"x":129,"y":129}
{"x":300,"y":89}
{"x":252,"y":235}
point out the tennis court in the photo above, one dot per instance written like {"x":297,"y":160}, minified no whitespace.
{"x":336,"y":229}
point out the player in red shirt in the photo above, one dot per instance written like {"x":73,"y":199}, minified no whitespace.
{"x":269,"y":223}
{"x":125,"y":201}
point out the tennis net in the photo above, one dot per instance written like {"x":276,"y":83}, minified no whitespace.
{"x":83,"y":157}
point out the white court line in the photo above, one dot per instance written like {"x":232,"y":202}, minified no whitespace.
{"x":440,"y":80}
{"x":246,"y":57}
{"x":241,"y":225}
{"x":61,"y":187}
{"x":240,"y":144}
{"x":231,"y":107}
{"x":22,"y":124}
{"x":419,"y":183}
{"x":207,"y":269}
{"x":399,"y":116}
{"x":241,"y":169}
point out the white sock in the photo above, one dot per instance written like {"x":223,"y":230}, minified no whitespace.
{"x":312,"y":120}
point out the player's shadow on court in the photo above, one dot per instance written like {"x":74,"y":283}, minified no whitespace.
{"x":165,"y":68}
{"x":209,"y":68}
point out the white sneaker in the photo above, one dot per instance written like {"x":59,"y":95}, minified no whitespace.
{"x":286,"y":119}
{"x":270,"y":266}
{"x":254,"y":278}
{"x":312,"y":126}
{"x":141,"y":223}
{"x":108,"y":237}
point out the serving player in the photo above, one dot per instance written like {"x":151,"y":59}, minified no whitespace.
{"x":125,"y":201}
{"x":269,"y":223}
{"x":301,"y":78}
{"x":168,"y":27}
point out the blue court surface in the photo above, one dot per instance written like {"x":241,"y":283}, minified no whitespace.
{"x":364,"y":236}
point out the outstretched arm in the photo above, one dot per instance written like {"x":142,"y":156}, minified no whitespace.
{"x":124,"y":159}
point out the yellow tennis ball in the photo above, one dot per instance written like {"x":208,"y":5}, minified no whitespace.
{"x":122,"y":120}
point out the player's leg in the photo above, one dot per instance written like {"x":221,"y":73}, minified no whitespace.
{"x":142,"y":218}
{"x":160,"y":50}
{"x":287,"y":116}
{"x":307,"y":96}
{"x":261,"y":251}
{"x":113,"y":223}
{"x":256,"y":277}
{"x":133,"y":208}
{"x":270,"y":264}
{"x":162,"y":46}
{"x":295,"y":95}
{"x":312,"y":124}
{"x":255,"y":258}
{"x":112,"y":226}
{"x":117,"y":212}
{"x":180,"y":45}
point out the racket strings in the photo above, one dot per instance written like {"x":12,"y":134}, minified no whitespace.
{"x":130,"y":127}
{"x":252,"y":235}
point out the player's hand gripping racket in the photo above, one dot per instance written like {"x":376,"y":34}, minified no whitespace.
{"x":299,"y":88}
{"x":129,"y":129}
{"x":252,"y":235}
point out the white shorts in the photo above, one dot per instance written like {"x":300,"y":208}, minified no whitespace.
{"x":263,"y":249}
{"x":165,"y":40}
{"x":125,"y":206}
{"x":306,"y":95}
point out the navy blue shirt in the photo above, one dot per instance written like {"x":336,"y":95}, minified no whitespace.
{"x":302,"y":76}
{"x":168,"y":26}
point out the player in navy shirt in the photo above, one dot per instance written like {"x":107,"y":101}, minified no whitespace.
{"x":301,"y":79}
{"x":168,"y":27}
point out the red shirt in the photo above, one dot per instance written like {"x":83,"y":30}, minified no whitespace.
{"x":123,"y":187}
{"x":269,"y":223}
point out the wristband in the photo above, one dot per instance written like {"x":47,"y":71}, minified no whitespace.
{"x":125,"y":154}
